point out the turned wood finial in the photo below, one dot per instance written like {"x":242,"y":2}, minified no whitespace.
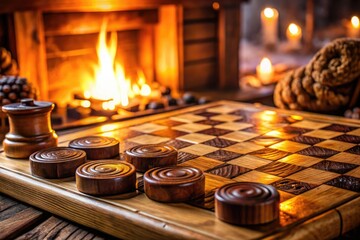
{"x":30,"y":128}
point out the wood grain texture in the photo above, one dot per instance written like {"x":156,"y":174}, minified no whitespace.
{"x":90,"y":22}
{"x":95,"y":5}
{"x":58,"y":162}
{"x":247,"y":203}
{"x":105,"y":177}
{"x":18,"y":221}
{"x":229,"y":40}
{"x":30,"y":47}
{"x":30,"y":128}
{"x":145,"y":157}
{"x":150,"y":219}
{"x":97,"y":147}
{"x":174,"y":184}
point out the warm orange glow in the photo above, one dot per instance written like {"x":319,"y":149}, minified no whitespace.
{"x":297,"y":117}
{"x":294,"y":29}
{"x":270,"y":12}
{"x":268,"y":116}
{"x":355,"y":22}
{"x":265,"y":65}
{"x":85,"y":103}
{"x":265,"y":71}
{"x":110,"y":81}
{"x":216,"y":6}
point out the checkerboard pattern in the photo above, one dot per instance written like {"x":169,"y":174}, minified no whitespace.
{"x":297,"y":156}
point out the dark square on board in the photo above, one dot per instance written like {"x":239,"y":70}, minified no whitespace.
{"x":223,"y":155}
{"x":337,"y":167}
{"x":228,"y":170}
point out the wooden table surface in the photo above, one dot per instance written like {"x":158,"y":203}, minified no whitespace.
{"x":318,"y":207}
{"x":21,"y":221}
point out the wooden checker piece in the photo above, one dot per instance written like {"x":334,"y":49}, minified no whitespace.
{"x":56,"y":162}
{"x":174,"y":184}
{"x":97,"y":147}
{"x":145,"y":157}
{"x":106,"y":177}
{"x":247,"y":203}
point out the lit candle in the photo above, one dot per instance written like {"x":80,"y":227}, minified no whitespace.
{"x":353,"y":29}
{"x":269,"y":25}
{"x":293,"y":34}
{"x":265,"y":71}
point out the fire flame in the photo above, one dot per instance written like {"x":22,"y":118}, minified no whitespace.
{"x":111,"y":84}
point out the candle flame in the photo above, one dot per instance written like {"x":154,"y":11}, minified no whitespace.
{"x":269,"y":12}
{"x":265,"y":65}
{"x":294,"y":29}
{"x":355,"y":22}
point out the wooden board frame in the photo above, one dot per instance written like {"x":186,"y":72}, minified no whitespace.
{"x":129,"y":216}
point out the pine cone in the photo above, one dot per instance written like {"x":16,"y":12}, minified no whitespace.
{"x":8,"y":66}
{"x":13,"y":89}
{"x":326,"y":83}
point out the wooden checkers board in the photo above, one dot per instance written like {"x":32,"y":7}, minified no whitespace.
{"x":312,"y":160}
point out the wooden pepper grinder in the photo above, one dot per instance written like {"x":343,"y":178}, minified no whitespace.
{"x":30,"y":128}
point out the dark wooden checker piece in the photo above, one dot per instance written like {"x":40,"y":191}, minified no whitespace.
{"x":174,"y":184}
{"x":145,"y":157}
{"x":106,"y":177}
{"x":97,"y":147}
{"x":247,"y":203}
{"x":57,"y":162}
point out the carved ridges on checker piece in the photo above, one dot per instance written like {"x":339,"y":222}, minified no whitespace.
{"x":97,"y":147}
{"x":246,"y":203}
{"x":174,"y":184}
{"x":106,"y":177}
{"x":57,"y":162}
{"x":145,"y":157}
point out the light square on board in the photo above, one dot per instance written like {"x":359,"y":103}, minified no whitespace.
{"x":259,"y":177}
{"x":195,"y":137}
{"x":300,"y":160}
{"x":224,"y":109}
{"x":148,"y":127}
{"x":188,"y":118}
{"x":199,"y":149}
{"x":346,"y":158}
{"x":203,"y":163}
{"x":244,"y":147}
{"x":355,"y":132}
{"x":355,"y":172}
{"x":313,"y":176}
{"x":335,"y":145}
{"x":213,"y":181}
{"x":239,"y":136}
{"x":289,"y":146}
{"x":234,"y":126}
{"x":146,"y":139}
{"x":249,"y":161}
{"x":226,"y":118}
{"x":279,"y":134}
{"x":191,"y":127}
{"x":326,"y":134}
{"x":310,"y":124}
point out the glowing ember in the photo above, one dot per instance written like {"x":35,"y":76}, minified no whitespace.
{"x":111,"y":84}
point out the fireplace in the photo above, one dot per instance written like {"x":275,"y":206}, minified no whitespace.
{"x":185,"y":45}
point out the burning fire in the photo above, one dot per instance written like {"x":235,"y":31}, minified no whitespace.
{"x":111,"y":84}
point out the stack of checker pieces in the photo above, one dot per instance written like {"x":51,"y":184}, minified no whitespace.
{"x":299,"y":157}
